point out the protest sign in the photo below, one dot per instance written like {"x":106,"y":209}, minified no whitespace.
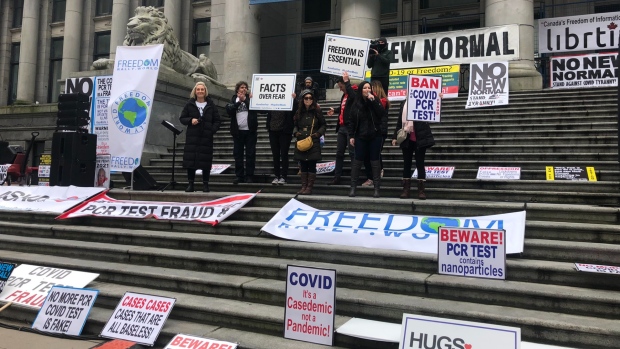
{"x":210,"y":212}
{"x":29,"y":284}
{"x":45,"y":165}
{"x":5,"y":272}
{"x":577,"y":33}
{"x":65,"y":310}
{"x":345,"y":53}
{"x":398,"y":82}
{"x":593,"y":70}
{"x":138,"y":318}
{"x":215,"y":169}
{"x":102,"y":171}
{"x":310,"y":304}
{"x":417,"y":330}
{"x":44,"y":199}
{"x":595,"y":268}
{"x":488,"y":85}
{"x":272,"y":91}
{"x":498,"y":172}
{"x":325,"y":167}
{"x":100,"y":112}
{"x":4,"y":172}
{"x":472,"y":252}
{"x":436,"y":172}
{"x":185,"y":341}
{"x":423,"y":101}
{"x":574,"y":173}
{"x":298,"y":221}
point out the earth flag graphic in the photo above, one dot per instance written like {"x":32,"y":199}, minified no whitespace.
{"x":132,"y":112}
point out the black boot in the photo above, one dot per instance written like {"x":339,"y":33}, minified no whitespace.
{"x":205,"y":187}
{"x":190,"y":187}
{"x":376,"y":177}
{"x":356,"y":166}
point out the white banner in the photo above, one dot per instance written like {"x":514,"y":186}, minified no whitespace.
{"x":436,"y":172}
{"x":345,"y":53}
{"x":423,"y":101}
{"x":100,"y":112}
{"x":595,"y":268}
{"x":298,"y":221}
{"x":102,"y":171}
{"x":44,"y":199}
{"x":488,"y":85}
{"x":65,"y":310}
{"x":488,"y":44}
{"x":131,"y":101}
{"x":138,"y":318}
{"x":594,"y":70}
{"x":210,"y":212}
{"x":596,"y":31}
{"x":272,"y":91}
{"x":325,"y":167}
{"x":185,"y":341}
{"x":29,"y":284}
{"x":498,"y":173}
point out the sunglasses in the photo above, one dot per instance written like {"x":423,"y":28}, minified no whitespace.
{"x":308,"y":98}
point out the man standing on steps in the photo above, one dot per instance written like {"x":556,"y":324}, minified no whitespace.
{"x":341,"y":128}
{"x":243,"y":128}
{"x":379,"y":60}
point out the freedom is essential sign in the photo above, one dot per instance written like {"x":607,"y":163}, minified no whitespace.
{"x":593,"y":70}
{"x":596,"y":31}
{"x":345,"y":53}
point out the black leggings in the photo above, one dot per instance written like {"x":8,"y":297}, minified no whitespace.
{"x":408,"y":154}
{"x":308,"y":166}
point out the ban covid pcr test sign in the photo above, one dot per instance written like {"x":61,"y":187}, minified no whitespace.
{"x":423,"y":98}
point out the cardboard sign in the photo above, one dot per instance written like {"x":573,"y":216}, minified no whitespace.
{"x":398,"y":82}
{"x":418,"y":330}
{"x":30,"y":284}
{"x":272,"y":91}
{"x":488,"y":85}
{"x":45,"y":166}
{"x":3,"y":172}
{"x":595,"y":268}
{"x":138,"y":318}
{"x":325,"y":167}
{"x":472,"y":252}
{"x":498,"y":172}
{"x":345,"y":53}
{"x":215,"y":169}
{"x":310,"y":305}
{"x":574,"y":173}
{"x":440,"y":172}
{"x":184,"y":341}
{"x":102,"y":171}
{"x":594,"y":70}
{"x":5,"y":272}
{"x":596,"y":31}
{"x":423,"y":101}
{"x":44,"y":199}
{"x":65,"y":310}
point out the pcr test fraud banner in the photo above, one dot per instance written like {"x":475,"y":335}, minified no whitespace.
{"x":423,"y":101}
{"x":488,"y":44}
{"x":488,"y":85}
{"x":417,"y":330}
{"x":44,"y":199}
{"x":310,"y":304}
{"x":131,"y":102}
{"x":210,"y":212}
{"x":300,"y":222}
{"x":597,"y":31}
{"x":65,"y":310}
{"x":450,"y":76}
{"x":594,"y":70}
{"x":5,"y":272}
{"x":272,"y":91}
{"x":472,"y":252}
{"x":29,"y":284}
{"x":345,"y":53}
{"x":138,"y":318}
{"x":184,"y":341}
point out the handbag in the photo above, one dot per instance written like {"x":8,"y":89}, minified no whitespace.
{"x":306,"y":143}
{"x":401,"y":135}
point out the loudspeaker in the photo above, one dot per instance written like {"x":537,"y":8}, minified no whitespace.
{"x":142,"y":180}
{"x":7,"y":154}
{"x":74,"y":157}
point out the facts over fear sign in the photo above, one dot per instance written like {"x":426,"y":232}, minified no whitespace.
{"x":65,"y":310}
{"x":423,"y":101}
{"x":272,"y":91}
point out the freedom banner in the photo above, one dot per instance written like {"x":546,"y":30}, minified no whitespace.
{"x":131,"y":100}
{"x":397,"y":84}
{"x":185,"y":341}
{"x":300,"y":222}
{"x":30,"y":284}
{"x":5,"y":272}
{"x":44,"y":199}
{"x":488,"y":44}
{"x":596,"y":31}
{"x":210,"y":212}
{"x":345,"y":53}
{"x":272,"y":91}
{"x":488,"y":85}
{"x":65,"y":310}
{"x":594,"y":70}
{"x":423,"y":101}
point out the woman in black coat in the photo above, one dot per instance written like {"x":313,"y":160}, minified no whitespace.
{"x":308,"y":122}
{"x":280,"y":127}
{"x":202,"y":119}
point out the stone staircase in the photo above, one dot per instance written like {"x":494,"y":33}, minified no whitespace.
{"x":229,"y":279}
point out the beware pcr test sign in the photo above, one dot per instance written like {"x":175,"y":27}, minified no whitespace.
{"x":345,"y":53}
{"x":65,"y":310}
{"x":272,"y":91}
{"x":423,"y":101}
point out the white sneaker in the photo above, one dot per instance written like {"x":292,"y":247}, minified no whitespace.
{"x":275,"y":181}
{"x":282,"y":181}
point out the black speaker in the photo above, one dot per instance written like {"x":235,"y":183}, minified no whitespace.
{"x":7,"y":154}
{"x":142,"y":180}
{"x":73,"y":159}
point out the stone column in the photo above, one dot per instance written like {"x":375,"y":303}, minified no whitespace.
{"x":71,"y":43}
{"x":26,"y":81}
{"x":241,"y":42}
{"x":172,"y":11}
{"x":523,"y":75}
{"x":361,"y":18}
{"x":120,"y":17}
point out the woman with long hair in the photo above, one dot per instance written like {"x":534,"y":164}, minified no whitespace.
{"x":308,"y":122}
{"x":377,"y":90}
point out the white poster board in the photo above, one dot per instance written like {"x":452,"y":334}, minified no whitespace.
{"x":345,"y":53}
{"x":138,"y":318}
{"x":423,"y":101}
{"x":215,"y":169}
{"x":325,"y":167}
{"x":488,"y":85}
{"x":185,"y":341}
{"x":102,"y":171}
{"x":65,"y":310}
{"x":436,"y":172}
{"x":595,"y":31}
{"x":595,"y":268}
{"x":3,"y":172}
{"x":272,"y":91}
{"x":310,"y":306}
{"x":100,"y":112}
{"x":584,"y":71}
{"x":493,"y":173}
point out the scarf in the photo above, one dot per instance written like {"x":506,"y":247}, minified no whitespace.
{"x":407,"y":125}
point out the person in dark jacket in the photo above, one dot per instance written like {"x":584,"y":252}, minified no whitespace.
{"x":308,"y":84}
{"x":343,"y":110}
{"x":379,"y":62}
{"x":280,"y":127}
{"x":419,"y":139}
{"x":365,"y":122}
{"x":378,"y":91}
{"x":243,"y":128}
{"x":308,"y":122}
{"x":202,"y":119}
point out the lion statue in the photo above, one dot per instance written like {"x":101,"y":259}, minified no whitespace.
{"x":149,"y":26}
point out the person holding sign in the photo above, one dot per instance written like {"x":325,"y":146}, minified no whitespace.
{"x":309,"y":123}
{"x":379,"y":59}
{"x":203,"y":121}
{"x":243,"y":128}
{"x":377,"y":90}
{"x":343,"y":111}
{"x":367,"y":116}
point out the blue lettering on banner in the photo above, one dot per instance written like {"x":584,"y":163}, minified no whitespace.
{"x":137,"y":64}
{"x":314,"y":281}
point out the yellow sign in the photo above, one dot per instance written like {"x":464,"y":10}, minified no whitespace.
{"x":550,"y":173}
{"x":591,"y":174}
{"x":423,"y":71}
